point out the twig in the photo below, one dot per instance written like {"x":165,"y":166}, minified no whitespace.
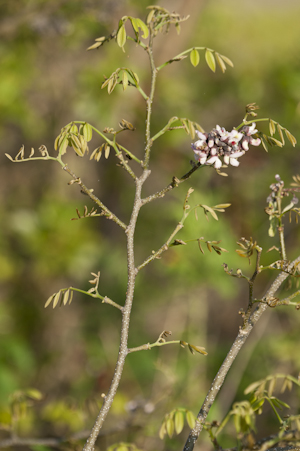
{"x":174,"y":184}
{"x":94,"y":198}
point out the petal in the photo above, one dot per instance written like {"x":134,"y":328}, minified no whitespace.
{"x":234,"y":162}
{"x":236,"y":154}
{"x":255,"y":142}
{"x":245,"y":145}
{"x":200,"y":135}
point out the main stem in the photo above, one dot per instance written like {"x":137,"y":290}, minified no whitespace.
{"x":242,"y":336}
{"x":131,"y":269}
{"x":126,"y":310}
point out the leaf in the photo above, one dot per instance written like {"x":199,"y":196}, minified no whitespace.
{"x":179,"y":421}
{"x":271,"y":386}
{"x":200,"y":247}
{"x":227,"y":60}
{"x":121,"y":36}
{"x":170,"y":427}
{"x":280,"y":133}
{"x":191,"y":419}
{"x":290,"y":137}
{"x":125,"y":80}
{"x":76,"y":144}
{"x":95,"y":46}
{"x":106,"y":150}
{"x":49,"y":300}
{"x":66,"y":297}
{"x":162,"y":431}
{"x":9,"y":157}
{"x":210,"y":59}
{"x":194,"y":57}
{"x":87,"y":132}
{"x":56,"y":299}
{"x":211,"y":211}
{"x":112,"y":84}
{"x":34,"y":394}
{"x":272,"y":127}
{"x":220,"y":62}
{"x":252,"y":387}
{"x":73,"y":129}
{"x":71,"y":296}
{"x":191,"y":129}
{"x":143,"y":27}
{"x":63,"y":144}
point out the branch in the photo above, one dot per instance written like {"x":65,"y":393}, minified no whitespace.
{"x":94,"y":198}
{"x":174,"y":184}
{"x":242,"y":336}
{"x":150,"y":100}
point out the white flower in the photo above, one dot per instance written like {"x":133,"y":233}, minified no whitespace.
{"x":232,"y":159}
{"x":200,"y":156}
{"x":215,"y":161}
{"x":234,"y":137}
{"x":222,"y":132}
{"x":252,"y":129}
{"x":201,"y":135}
{"x":255,"y":142}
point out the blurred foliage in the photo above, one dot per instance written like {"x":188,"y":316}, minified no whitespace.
{"x":47,"y":80}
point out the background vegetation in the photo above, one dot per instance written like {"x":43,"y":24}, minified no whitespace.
{"x":47,"y":80}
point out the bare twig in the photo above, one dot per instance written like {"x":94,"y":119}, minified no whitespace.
{"x":108,"y":213}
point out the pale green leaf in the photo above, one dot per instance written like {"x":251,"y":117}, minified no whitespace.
{"x":272,"y":127}
{"x":290,"y":137}
{"x":95,"y":46}
{"x":162,"y":431}
{"x":143,"y":27}
{"x":191,"y":419}
{"x":170,"y":427}
{"x":49,"y":300}
{"x":227,"y":60}
{"x":125,"y":80}
{"x":194,"y":57}
{"x":66,"y":297}
{"x":56,"y":299}
{"x":87,"y":132}
{"x":179,"y":421}
{"x":220,"y":62}
{"x":106,"y":150}
{"x":9,"y":157}
{"x":210,"y":59}
{"x":34,"y":394}
{"x":121,"y":36}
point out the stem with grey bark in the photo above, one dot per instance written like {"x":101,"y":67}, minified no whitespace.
{"x":123,"y":350}
{"x":242,"y":336}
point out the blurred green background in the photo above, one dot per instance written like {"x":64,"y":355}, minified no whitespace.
{"x":47,"y":80}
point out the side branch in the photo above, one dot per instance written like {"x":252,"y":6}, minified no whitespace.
{"x":174,"y":184}
{"x":242,"y":336}
{"x":94,"y":198}
{"x":162,"y":249}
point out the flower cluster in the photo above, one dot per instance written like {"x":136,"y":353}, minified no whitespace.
{"x":221,"y":143}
